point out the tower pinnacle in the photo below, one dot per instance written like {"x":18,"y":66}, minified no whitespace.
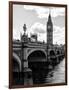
{"x":49,"y":17}
{"x":49,"y":10}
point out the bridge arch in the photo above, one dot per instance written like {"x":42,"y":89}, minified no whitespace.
{"x":36,"y":50}
{"x":58,"y":52}
{"x":52,"y":52}
{"x":36,"y":54}
{"x":17,"y":60}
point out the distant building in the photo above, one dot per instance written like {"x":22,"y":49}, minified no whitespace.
{"x":34,"y":37}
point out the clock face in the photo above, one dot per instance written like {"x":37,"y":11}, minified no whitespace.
{"x":49,"y":27}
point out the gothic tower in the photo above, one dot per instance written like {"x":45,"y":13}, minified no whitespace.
{"x":49,"y":31}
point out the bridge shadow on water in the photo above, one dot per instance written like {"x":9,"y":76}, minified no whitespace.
{"x":46,"y":75}
{"x":39,"y":72}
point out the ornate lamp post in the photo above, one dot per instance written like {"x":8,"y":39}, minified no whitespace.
{"x":27,"y":72}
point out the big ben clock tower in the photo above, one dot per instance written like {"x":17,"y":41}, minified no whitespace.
{"x":49,"y":31}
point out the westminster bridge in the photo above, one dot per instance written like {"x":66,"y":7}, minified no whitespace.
{"x":28,"y":56}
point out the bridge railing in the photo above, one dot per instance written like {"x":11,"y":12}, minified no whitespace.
{"x":37,"y":43}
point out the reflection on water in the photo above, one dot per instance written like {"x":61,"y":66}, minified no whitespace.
{"x":57,"y":75}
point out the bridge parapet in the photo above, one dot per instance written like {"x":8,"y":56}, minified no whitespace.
{"x":35,"y":45}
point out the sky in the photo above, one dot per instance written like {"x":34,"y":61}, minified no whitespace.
{"x":35,"y":18}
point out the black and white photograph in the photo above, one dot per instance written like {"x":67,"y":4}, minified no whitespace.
{"x":38,"y":44}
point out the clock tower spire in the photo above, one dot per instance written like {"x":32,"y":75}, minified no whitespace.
{"x":49,"y":30}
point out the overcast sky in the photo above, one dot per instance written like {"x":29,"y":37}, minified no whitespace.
{"x":35,"y":18}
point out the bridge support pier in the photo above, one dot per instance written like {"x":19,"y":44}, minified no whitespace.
{"x":27,"y":74}
{"x":58,"y":60}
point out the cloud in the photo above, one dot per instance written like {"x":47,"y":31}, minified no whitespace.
{"x":38,"y":28}
{"x":58,"y":30}
{"x":42,"y":37}
{"x":59,"y":35}
{"x":16,"y":34}
{"x":57,"y":12}
{"x":43,"y":12}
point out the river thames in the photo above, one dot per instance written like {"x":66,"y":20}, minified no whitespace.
{"x":56,"y":75}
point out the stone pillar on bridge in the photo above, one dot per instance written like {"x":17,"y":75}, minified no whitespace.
{"x":26,"y":70}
